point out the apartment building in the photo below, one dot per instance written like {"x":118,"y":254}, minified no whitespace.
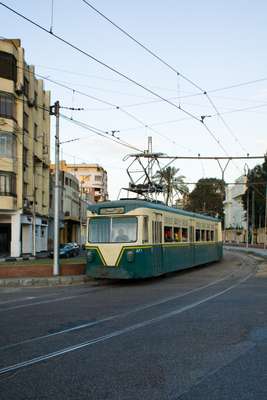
{"x":235,"y":215}
{"x":93,"y":181}
{"x":24,"y":154}
{"x":72,"y":209}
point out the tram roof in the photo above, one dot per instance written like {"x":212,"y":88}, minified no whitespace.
{"x":131,"y":204}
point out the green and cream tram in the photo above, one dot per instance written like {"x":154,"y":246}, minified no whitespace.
{"x":131,"y":239}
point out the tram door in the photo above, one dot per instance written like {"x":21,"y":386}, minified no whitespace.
{"x":157,"y":243}
{"x":192,"y":244}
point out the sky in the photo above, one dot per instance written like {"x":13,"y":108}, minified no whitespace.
{"x":214,"y":44}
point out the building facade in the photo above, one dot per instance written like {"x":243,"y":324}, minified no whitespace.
{"x":72,"y":210}
{"x":24,"y":154}
{"x":235,"y":215}
{"x":92,"y":179}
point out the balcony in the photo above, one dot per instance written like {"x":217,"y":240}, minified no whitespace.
{"x":8,"y":203}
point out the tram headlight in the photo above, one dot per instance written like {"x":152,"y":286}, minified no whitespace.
{"x":90,"y":256}
{"x":130,"y":256}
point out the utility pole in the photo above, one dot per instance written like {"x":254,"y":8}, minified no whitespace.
{"x":54,"y":110}
{"x":247,"y":235}
{"x":252,"y":216}
{"x":265,"y":219}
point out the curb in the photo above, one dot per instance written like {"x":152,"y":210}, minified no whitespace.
{"x":44,"y":281}
{"x":250,"y":250}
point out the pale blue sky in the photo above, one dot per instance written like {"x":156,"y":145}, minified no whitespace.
{"x":214,"y":43}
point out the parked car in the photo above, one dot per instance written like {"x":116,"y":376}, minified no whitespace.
{"x":66,"y":250}
{"x":75,"y":247}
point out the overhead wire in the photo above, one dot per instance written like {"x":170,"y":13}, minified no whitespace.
{"x":114,"y":70}
{"x":113,"y":106}
{"x":93,"y":129}
{"x":178,"y":73}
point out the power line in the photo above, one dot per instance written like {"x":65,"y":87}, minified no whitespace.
{"x":113,"y":106}
{"x":178,"y":73}
{"x":93,"y":129}
{"x":117,"y":72}
{"x":99,"y":61}
{"x":100,"y":132}
{"x":142,"y":45}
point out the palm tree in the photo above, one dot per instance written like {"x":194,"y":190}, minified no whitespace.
{"x":171,"y":183}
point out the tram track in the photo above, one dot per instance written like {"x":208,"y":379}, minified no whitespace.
{"x":229,"y":282}
{"x":37,"y":303}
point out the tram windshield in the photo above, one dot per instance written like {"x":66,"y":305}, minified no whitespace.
{"x":112,"y":230}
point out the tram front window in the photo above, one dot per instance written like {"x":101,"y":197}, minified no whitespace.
{"x":113,"y":230}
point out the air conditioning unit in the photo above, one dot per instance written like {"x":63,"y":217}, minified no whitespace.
{"x":19,"y":89}
{"x":26,"y":203}
{"x":45,"y":149}
{"x":31,"y":103}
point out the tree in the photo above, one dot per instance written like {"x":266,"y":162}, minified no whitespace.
{"x":256,"y":182}
{"x":172,"y":184}
{"x":207,"y":197}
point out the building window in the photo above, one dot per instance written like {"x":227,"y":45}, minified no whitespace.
{"x":7,"y":105}
{"x":26,"y":87}
{"x":35,"y":132}
{"x":7,"y":184}
{"x":44,"y":110}
{"x":25,"y":156}
{"x":25,"y":189}
{"x":25,"y":122}
{"x":35,"y":100}
{"x":8,"y":68}
{"x":7,"y":145}
{"x":98,"y":178}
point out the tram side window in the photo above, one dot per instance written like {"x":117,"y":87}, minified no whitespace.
{"x":212,"y":236}
{"x":156,"y":231}
{"x":168,"y":237}
{"x":145,"y":230}
{"x":197,"y":235}
{"x":203,"y":236}
{"x":177,"y":234}
{"x":184,"y":234}
{"x":208,"y":236}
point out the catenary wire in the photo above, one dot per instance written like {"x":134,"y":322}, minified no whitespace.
{"x":178,"y":73}
{"x":113,"y":106}
{"x":113,"y":70}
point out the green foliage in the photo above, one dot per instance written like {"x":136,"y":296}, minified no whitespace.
{"x":207,"y":197}
{"x":172,"y":184}
{"x":257,"y":181}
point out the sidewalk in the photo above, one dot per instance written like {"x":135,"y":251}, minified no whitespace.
{"x":43,"y":281}
{"x":40,"y":272}
{"x":251,"y":250}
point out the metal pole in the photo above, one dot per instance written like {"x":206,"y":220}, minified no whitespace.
{"x":247,"y":217}
{"x":265,"y":219}
{"x":252,"y":216}
{"x":33,"y":215}
{"x":56,"y":197}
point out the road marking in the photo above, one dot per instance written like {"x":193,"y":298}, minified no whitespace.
{"x":119,"y":332}
{"x":17,"y":300}
{"x":100,"y":321}
{"x":48,"y":301}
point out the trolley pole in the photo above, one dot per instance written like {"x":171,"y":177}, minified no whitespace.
{"x":54,"y":110}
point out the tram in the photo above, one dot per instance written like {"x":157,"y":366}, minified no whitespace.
{"x":133,"y":239}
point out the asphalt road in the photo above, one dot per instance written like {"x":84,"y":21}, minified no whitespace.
{"x":197,"y":334}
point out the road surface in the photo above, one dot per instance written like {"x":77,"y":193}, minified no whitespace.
{"x":196,"y":334}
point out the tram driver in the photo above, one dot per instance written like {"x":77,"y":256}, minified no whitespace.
{"x":121,"y":237}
